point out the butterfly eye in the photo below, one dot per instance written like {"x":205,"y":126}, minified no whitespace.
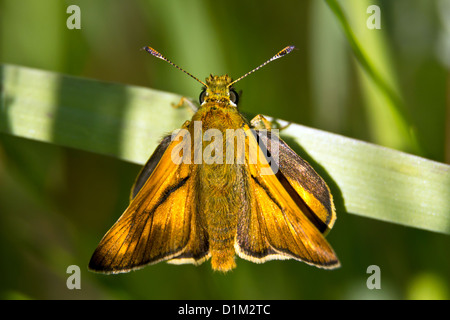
{"x":234,"y":97}
{"x":202,"y":96}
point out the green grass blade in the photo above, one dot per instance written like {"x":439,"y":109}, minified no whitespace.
{"x":127,"y":122}
{"x":390,"y":120}
{"x":105,"y":118}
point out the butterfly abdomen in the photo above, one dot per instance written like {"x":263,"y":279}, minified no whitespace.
{"x":219,"y":203}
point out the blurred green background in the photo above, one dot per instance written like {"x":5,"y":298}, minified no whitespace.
{"x":56,"y":203}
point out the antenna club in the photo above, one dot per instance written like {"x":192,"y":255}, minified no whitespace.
{"x":153,"y":52}
{"x":287,"y":50}
{"x":158,"y":55}
{"x":280,"y":54}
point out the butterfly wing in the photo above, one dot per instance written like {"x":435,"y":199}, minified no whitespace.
{"x":159,"y":224}
{"x":148,"y":168}
{"x":275,"y":226}
{"x":302,"y":181}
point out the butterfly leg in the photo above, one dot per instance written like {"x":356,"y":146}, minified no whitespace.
{"x":186,"y":102}
{"x":260,"y":122}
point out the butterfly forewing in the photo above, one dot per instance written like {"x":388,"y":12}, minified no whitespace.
{"x":148,"y":168}
{"x":159,"y":224}
{"x":276,"y":227}
{"x":302,"y":181}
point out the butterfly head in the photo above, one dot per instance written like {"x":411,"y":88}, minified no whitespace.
{"x":218,"y":90}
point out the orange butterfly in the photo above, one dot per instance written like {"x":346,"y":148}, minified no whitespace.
{"x":191,"y":202}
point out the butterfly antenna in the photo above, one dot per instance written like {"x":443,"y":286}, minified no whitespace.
{"x":280,"y":54}
{"x":158,"y":55}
